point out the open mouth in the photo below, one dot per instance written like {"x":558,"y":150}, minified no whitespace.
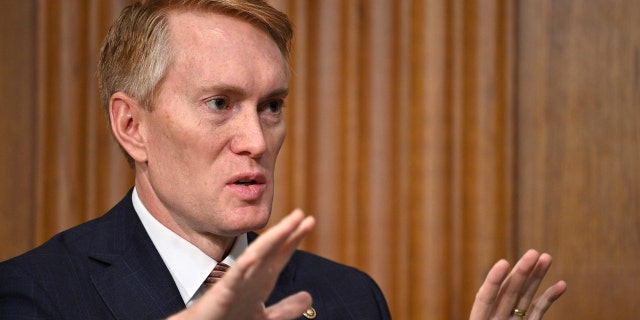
{"x":248,"y":187}
{"x":245,"y":182}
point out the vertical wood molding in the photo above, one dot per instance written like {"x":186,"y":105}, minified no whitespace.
{"x":17,"y":84}
{"x":400,"y":142}
{"x":80,"y":172}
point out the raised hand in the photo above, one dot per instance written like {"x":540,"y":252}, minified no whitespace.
{"x":510,"y":295}
{"x":241,"y":293}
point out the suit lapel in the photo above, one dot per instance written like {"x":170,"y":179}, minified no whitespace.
{"x":133,"y":281}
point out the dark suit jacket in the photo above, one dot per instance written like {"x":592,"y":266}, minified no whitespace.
{"x":108,"y":268}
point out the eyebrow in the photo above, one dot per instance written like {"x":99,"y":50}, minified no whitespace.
{"x":235,"y":90}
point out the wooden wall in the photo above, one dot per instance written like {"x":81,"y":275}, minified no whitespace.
{"x":17,"y":126}
{"x":578,"y":151}
{"x":429,"y":138}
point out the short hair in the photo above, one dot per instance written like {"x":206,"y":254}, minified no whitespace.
{"x":136,"y":52}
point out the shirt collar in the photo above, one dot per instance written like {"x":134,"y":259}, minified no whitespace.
{"x":188,"y":265}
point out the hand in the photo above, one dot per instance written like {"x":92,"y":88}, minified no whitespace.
{"x":502,"y":292}
{"x":241,"y":293}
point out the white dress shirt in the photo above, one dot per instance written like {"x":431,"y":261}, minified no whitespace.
{"x":188,"y":265}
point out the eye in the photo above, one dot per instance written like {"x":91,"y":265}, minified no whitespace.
{"x":217,"y":104}
{"x":274,"y":106}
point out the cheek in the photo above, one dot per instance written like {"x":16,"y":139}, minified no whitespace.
{"x":275,"y":140}
{"x":277,"y":137}
{"x":173,"y":140}
{"x":164,"y":142}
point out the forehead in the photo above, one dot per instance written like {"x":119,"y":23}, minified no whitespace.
{"x":198,"y":36}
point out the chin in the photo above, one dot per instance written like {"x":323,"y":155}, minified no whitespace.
{"x":250,"y":219}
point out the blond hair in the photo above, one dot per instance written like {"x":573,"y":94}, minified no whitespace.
{"x":136,"y":52}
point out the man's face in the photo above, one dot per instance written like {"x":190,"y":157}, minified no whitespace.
{"x":216,"y":128}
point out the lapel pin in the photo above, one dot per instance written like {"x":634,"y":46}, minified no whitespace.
{"x":310,"y":313}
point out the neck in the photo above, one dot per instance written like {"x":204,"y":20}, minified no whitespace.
{"x":215,"y":246}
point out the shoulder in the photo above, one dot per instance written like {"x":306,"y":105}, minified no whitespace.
{"x":64,"y":244}
{"x":308,"y":267}
{"x":32,"y":283}
{"x":308,"y":263}
{"x":311,"y":270}
{"x":54,"y":279}
{"x":338,"y":290}
{"x":109,"y":229}
{"x":67,"y":248}
{"x":318,"y":272}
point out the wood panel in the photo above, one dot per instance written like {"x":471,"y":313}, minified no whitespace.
{"x":399,"y":138}
{"x":400,"y":143}
{"x":579,"y":149}
{"x":79,"y":171}
{"x":17,"y":84}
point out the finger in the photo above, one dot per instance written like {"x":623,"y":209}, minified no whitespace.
{"x":272,"y":240}
{"x":540,"y":306}
{"x":284,"y":246}
{"x":512,"y":286}
{"x":241,"y":292}
{"x":533,"y":282}
{"x":266,"y":248}
{"x":293,"y":241}
{"x":488,"y":292}
{"x":265,"y":258}
{"x":291,"y":307}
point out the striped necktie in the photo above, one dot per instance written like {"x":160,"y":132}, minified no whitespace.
{"x":216,"y":274}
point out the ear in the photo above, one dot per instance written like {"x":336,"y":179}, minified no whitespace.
{"x":126,"y":116}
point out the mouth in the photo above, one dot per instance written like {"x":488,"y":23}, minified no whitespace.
{"x":245,"y":182}
{"x":248,"y":186}
{"x":248,"y":179}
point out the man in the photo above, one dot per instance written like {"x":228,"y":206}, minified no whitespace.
{"x":194,"y":91}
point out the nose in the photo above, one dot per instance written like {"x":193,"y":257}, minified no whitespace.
{"x":249,"y":138}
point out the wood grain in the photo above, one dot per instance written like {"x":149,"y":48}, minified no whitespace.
{"x":579,"y":149}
